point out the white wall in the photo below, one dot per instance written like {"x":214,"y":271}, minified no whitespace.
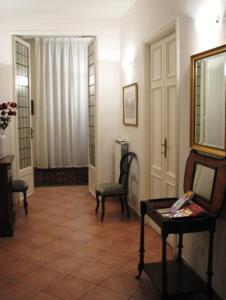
{"x":141,"y":22}
{"x":108,"y":95}
{"x":108,"y":84}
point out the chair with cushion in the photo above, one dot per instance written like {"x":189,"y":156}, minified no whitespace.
{"x":20,"y":186}
{"x":119,"y":189}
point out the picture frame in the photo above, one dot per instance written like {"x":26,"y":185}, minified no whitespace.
{"x":130,"y":105}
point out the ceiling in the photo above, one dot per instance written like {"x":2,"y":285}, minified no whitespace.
{"x":66,"y":8}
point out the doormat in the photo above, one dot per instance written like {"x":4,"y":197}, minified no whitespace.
{"x":60,"y":176}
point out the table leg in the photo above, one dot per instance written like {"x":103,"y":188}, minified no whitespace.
{"x":141,"y":250}
{"x":180,"y":247}
{"x":164,"y":264}
{"x":210,"y":262}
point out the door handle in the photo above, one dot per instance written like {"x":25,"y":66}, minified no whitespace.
{"x":165,"y":148}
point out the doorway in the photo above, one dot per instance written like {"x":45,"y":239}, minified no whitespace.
{"x":24,"y":157}
{"x":92,"y":115}
{"x":69,"y":171}
{"x":163,"y":116}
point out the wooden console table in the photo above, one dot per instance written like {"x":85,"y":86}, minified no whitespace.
{"x":175,"y":278}
{"x":6,"y":208}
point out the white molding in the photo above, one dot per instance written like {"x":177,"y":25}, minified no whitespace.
{"x":92,"y":193}
{"x":161,"y":33}
{"x":134,"y":208}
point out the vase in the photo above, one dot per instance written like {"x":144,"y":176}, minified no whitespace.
{"x":2,"y":145}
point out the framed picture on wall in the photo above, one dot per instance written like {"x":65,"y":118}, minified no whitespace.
{"x":130,"y":105}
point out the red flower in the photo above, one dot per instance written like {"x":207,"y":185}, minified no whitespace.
{"x":4,"y":106}
{"x":12,"y":104}
{"x":7,"y":111}
{"x":10,"y":113}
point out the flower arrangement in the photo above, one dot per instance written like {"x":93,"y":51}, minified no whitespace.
{"x":7,"y":111}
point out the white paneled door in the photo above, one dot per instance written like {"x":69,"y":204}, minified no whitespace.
{"x":23,"y":98}
{"x":163,"y":118}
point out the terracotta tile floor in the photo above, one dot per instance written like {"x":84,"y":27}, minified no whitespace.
{"x":61,"y":250}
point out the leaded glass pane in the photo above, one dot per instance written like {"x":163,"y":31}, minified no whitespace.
{"x":23,"y":105}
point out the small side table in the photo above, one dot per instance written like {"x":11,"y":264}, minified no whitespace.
{"x":205,"y":176}
{"x":173,"y":278}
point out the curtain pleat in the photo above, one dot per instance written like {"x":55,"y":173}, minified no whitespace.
{"x":61,"y":102}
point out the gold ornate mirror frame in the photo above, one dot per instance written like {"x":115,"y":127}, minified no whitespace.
{"x":195,"y":60}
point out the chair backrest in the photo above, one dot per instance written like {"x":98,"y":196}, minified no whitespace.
{"x":125,"y":164}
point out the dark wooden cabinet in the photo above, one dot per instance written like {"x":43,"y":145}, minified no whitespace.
{"x":6,"y":208}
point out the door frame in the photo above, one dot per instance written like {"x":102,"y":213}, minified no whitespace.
{"x":33,"y":34}
{"x":25,"y":171}
{"x":172,"y":27}
{"x":92,"y":170}
{"x":162,"y":33}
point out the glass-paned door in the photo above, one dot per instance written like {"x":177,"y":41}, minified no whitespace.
{"x":92,"y":115}
{"x":22,"y":93}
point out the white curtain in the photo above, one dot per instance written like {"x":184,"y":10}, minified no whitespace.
{"x":61,"y":109}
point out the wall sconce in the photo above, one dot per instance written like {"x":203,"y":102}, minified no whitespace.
{"x":128,"y":58}
{"x":210,"y":18}
{"x":128,"y":62}
{"x":220,"y":19}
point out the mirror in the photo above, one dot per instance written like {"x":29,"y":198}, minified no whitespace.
{"x":208,"y":92}
{"x":203,"y":181}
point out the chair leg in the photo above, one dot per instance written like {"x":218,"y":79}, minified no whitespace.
{"x":103,"y":208}
{"x":122,"y":205}
{"x":127,"y":206}
{"x":97,"y":199}
{"x":25,"y":202}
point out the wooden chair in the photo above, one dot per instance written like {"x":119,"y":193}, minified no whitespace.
{"x":119,"y":189}
{"x":20,"y":186}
